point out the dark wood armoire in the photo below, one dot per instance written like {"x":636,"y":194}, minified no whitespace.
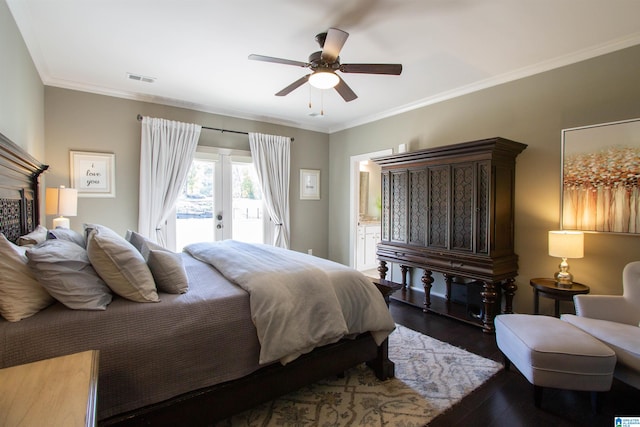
{"x":450,"y":210}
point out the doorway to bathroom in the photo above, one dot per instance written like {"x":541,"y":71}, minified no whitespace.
{"x":365,"y":211}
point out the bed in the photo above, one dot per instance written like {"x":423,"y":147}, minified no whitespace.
{"x":191,"y":358}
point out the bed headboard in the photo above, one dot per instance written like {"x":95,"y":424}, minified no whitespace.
{"x":19,"y":174}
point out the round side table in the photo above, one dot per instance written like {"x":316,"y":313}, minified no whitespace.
{"x":549,"y":288}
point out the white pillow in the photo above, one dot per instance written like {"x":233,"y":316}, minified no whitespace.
{"x":63,"y":269}
{"x":21,"y":295}
{"x":166,"y":266}
{"x":120,"y":265}
{"x":67,"y":234}
{"x":38,"y":235}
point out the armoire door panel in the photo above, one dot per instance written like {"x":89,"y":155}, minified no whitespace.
{"x":399,"y":206}
{"x":462,"y":206}
{"x":503,"y":211}
{"x":483,"y":209}
{"x":438,"y":195}
{"x":385,"y":214}
{"x":417,"y":202}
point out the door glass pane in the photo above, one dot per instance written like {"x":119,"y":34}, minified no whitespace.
{"x":247,"y":206}
{"x":194,"y":208}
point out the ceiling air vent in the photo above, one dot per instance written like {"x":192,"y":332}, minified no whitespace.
{"x":141,"y":78}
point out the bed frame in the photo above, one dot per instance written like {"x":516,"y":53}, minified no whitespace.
{"x":19,"y":174}
{"x":19,"y":214}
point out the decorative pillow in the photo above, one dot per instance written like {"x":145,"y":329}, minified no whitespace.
{"x":68,"y":235}
{"x":166,"y":266}
{"x":38,"y":235}
{"x":63,"y":269}
{"x":120,"y":265}
{"x":87,"y":229}
{"x":136,"y":239}
{"x":21,"y":295}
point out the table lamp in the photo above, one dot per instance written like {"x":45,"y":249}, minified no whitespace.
{"x":61,"y":201}
{"x":565,"y":244}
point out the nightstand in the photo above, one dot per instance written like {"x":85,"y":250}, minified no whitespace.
{"x":549,"y":288}
{"x":54,"y":392}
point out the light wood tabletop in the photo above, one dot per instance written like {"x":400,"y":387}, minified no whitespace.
{"x":60,"y":391}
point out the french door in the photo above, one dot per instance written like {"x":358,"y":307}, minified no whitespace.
{"x":220,"y":200}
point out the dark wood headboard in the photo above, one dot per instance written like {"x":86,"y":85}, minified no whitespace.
{"x":19,"y":174}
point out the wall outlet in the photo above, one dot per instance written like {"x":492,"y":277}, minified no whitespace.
{"x":310,"y":251}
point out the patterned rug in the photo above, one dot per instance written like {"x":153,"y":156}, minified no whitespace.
{"x":431,"y":376}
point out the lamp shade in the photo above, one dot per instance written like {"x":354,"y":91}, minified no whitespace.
{"x":61,"y":201}
{"x":566,"y":244}
{"x":324,"y":79}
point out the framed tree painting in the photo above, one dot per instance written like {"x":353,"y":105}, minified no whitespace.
{"x":93,"y":174}
{"x":600,"y":173}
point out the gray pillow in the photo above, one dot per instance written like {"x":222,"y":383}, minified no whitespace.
{"x":67,"y":234}
{"x":120,"y":265}
{"x":136,"y":239}
{"x":21,"y":295}
{"x":166,"y":266}
{"x":63,"y":269}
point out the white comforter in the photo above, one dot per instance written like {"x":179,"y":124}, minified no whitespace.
{"x":298,"y":302}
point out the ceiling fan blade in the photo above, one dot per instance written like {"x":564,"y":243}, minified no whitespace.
{"x":333,"y":44}
{"x":394,"y":69}
{"x":345,"y":91}
{"x":295,"y":85}
{"x":277,"y":60}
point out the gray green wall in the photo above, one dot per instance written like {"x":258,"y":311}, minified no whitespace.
{"x":533,"y":111}
{"x":21,"y":90}
{"x":88,"y":122}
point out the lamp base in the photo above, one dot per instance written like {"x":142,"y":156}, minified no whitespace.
{"x":61,"y":222}
{"x":564,"y":285}
{"x":564,"y":279}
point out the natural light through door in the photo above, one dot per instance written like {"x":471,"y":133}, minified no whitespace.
{"x":221,"y":200}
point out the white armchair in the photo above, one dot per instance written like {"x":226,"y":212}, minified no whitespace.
{"x":623,"y":308}
{"x":615,"y":320}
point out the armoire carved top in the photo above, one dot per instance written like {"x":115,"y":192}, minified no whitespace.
{"x":496,"y":145}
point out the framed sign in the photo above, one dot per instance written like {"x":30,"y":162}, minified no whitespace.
{"x":309,"y":184}
{"x":93,"y":174}
{"x":600,"y":178}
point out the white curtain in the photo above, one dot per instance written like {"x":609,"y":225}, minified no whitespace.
{"x":271,"y":157}
{"x":166,"y":151}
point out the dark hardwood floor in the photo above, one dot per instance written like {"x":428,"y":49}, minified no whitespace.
{"x":507,"y":398}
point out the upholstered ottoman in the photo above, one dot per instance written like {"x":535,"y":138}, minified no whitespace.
{"x":553,"y":353}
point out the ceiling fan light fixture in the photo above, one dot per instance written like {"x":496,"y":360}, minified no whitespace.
{"x":324,"y":79}
{"x":324,"y":65}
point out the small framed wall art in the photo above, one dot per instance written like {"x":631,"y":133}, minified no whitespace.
{"x":93,"y":174}
{"x":309,"y":184}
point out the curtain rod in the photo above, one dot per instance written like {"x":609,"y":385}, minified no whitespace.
{"x":218,"y":129}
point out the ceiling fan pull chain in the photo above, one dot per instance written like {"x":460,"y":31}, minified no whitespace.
{"x":322,"y":103}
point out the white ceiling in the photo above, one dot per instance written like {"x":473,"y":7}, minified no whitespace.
{"x":197,"y":49}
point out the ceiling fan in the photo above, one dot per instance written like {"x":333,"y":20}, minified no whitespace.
{"x":326,"y":62}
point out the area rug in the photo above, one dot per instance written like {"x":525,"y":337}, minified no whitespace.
{"x":431,"y":376}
